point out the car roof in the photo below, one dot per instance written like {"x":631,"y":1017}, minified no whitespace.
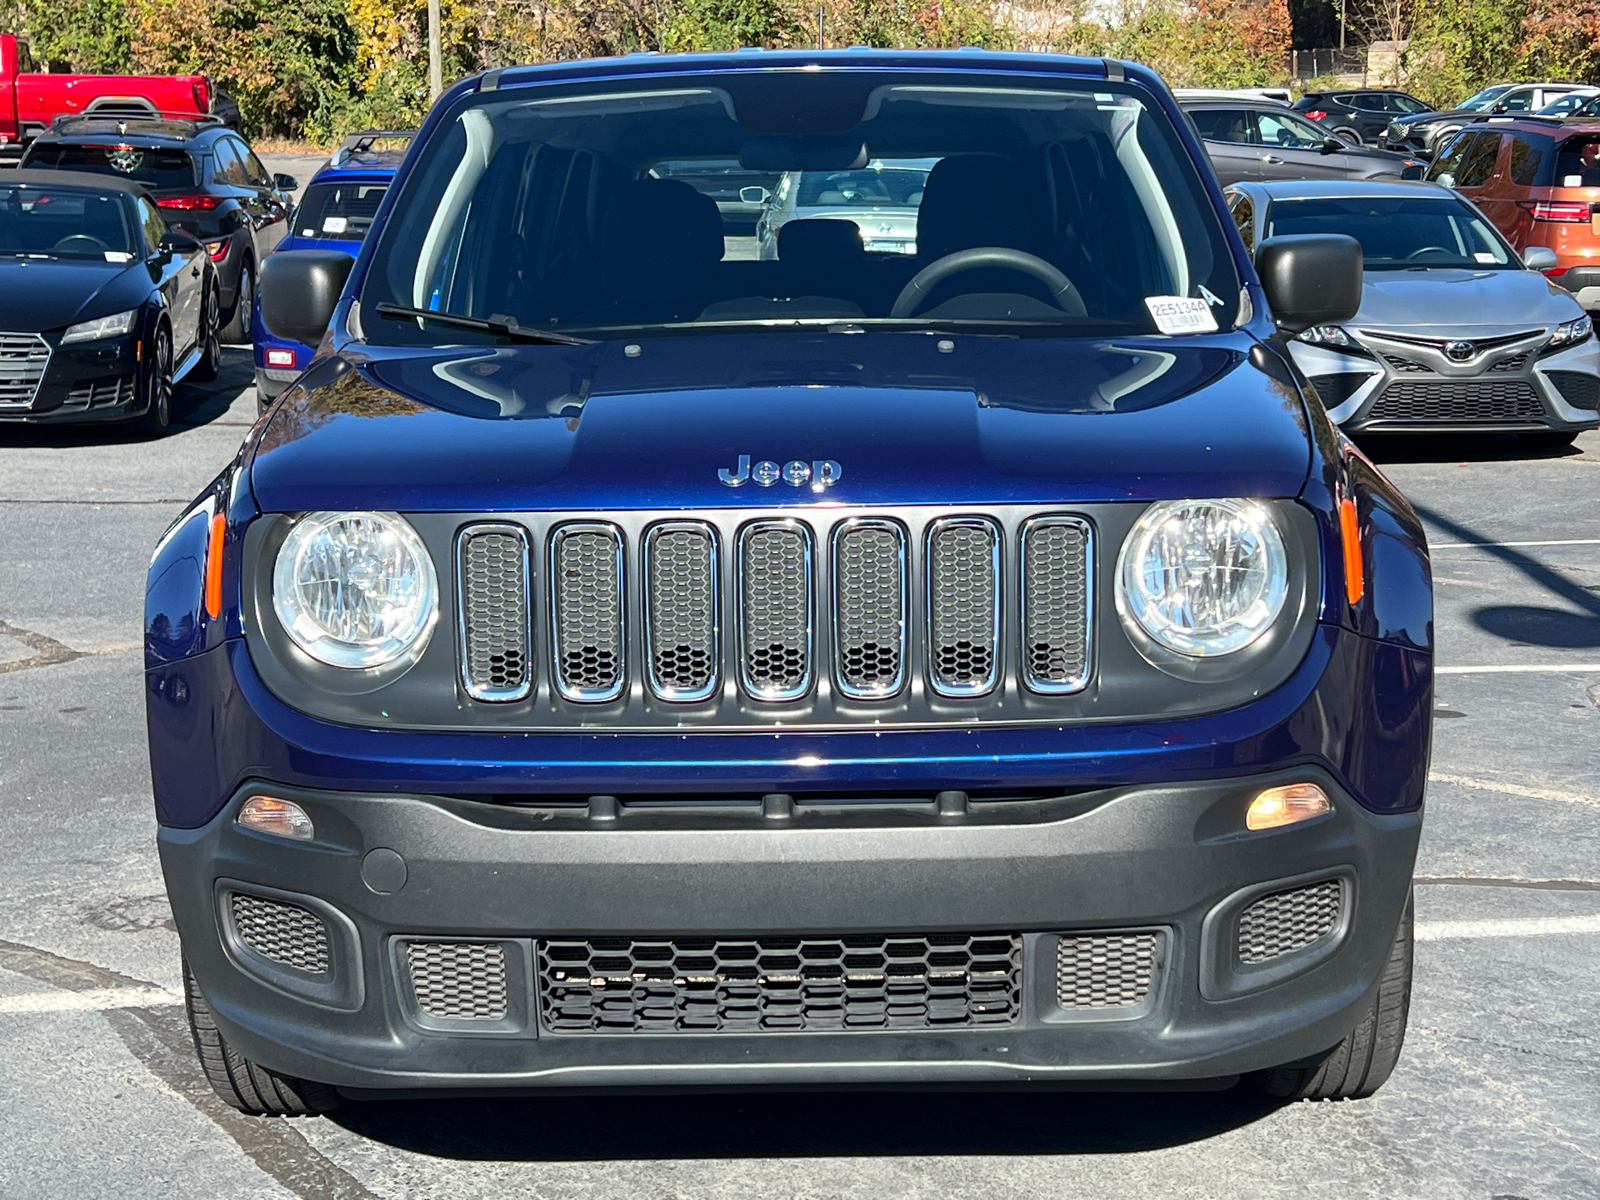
{"x":1335,"y":189}
{"x":358,"y":173}
{"x":148,"y":131}
{"x":1533,"y":123}
{"x":87,"y":181}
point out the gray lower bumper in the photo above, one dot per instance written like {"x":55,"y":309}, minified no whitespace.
{"x":1174,"y":858}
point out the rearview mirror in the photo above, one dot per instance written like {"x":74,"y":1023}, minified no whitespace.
{"x":803,"y":152}
{"x":1310,"y":278}
{"x":753,"y":195}
{"x":1539,"y":258}
{"x":299,"y":291}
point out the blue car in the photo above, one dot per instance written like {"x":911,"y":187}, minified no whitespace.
{"x":334,"y":214}
{"x":624,"y":661}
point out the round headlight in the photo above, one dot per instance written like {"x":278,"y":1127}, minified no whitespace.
{"x":1203,"y":577}
{"x":355,"y":589}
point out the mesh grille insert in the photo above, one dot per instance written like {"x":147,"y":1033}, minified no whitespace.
{"x":869,"y":579}
{"x":1289,"y":920}
{"x":964,"y":605}
{"x":459,"y":980}
{"x":497,"y":657}
{"x":285,"y":933}
{"x":1336,"y":389}
{"x":1577,"y":388}
{"x":775,"y":610}
{"x":1104,"y":970}
{"x":1452,"y":400}
{"x":586,"y":581}
{"x":681,"y":610}
{"x":1055,"y":604}
{"x":756,"y":985}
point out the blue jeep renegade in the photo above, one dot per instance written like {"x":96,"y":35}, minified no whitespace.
{"x":622,"y":661}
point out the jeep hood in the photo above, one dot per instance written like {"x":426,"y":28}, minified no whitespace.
{"x":991,"y":420}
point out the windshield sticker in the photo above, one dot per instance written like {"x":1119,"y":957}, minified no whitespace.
{"x":335,"y":224}
{"x":118,"y":256}
{"x":1483,"y":256}
{"x":125,"y":159}
{"x":1181,"y":314}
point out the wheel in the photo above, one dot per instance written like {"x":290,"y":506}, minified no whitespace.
{"x":1359,"y":1065}
{"x":158,"y":386}
{"x":251,"y":1089}
{"x":210,"y":344}
{"x":239,"y":324}
{"x":1554,"y":439}
{"x":1349,"y":136}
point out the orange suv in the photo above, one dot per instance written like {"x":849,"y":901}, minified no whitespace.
{"x":1538,"y":180}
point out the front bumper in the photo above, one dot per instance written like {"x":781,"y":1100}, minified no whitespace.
{"x":1174,"y":860}
{"x":90,"y":381}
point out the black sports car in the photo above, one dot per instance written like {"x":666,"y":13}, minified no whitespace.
{"x":102,"y":306}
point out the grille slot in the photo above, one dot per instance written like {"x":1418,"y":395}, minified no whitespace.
{"x":459,"y":980}
{"x":1577,"y":388}
{"x":1056,"y":591}
{"x":1290,"y":920}
{"x":680,"y":610}
{"x":285,"y":933}
{"x":1408,"y":365}
{"x":1515,"y":363}
{"x":1105,"y":970}
{"x":964,"y":606}
{"x":1457,"y":400}
{"x":586,"y":611}
{"x":775,"y":984}
{"x":869,"y":608}
{"x":775,"y":655}
{"x":101,"y":393}
{"x":496,"y":654}
{"x":1336,"y":389}
{"x":23,"y":359}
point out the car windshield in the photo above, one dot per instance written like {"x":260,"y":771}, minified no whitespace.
{"x":544,"y":205}
{"x":156,"y":168}
{"x":1484,"y":98}
{"x":1399,"y":233}
{"x":339,"y":210}
{"x":67,"y":223}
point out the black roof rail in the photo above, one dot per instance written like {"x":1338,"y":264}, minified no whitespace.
{"x":1502,"y":118}
{"x":362,"y":142}
{"x":146,"y":115}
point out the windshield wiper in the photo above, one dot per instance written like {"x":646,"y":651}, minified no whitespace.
{"x":500,"y":326}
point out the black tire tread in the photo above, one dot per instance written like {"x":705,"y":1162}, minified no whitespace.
{"x":237,"y":330}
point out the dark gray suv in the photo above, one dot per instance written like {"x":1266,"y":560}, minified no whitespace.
{"x":1261,"y":142}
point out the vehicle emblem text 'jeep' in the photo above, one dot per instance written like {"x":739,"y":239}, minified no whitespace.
{"x":820,"y":473}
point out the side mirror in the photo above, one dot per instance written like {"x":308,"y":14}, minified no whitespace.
{"x":1539,"y":258}
{"x":1310,"y":278}
{"x":753,"y":195}
{"x":285,"y":183}
{"x":299,"y":290}
{"x":1498,"y":108}
{"x":1332,"y":145}
{"x":176,"y":241}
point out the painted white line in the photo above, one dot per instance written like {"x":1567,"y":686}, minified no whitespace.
{"x":96,"y":1000}
{"x":1521,"y":669}
{"x":1514,"y":927}
{"x":1515,"y":545}
{"x":1513,"y":789}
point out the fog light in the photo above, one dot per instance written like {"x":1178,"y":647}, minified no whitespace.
{"x":1287,"y":805}
{"x":282,"y":818}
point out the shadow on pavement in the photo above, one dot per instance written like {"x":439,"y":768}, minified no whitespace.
{"x":803,"y":1124}
{"x":1458,"y":447}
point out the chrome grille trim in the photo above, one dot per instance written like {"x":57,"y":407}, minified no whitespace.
{"x":1057,"y":631}
{"x":963,"y":636}
{"x":790,"y":629}
{"x":698,"y":626}
{"x":481,"y":646}
{"x":855,"y":635}
{"x":586,"y":615}
{"x":24,"y":359}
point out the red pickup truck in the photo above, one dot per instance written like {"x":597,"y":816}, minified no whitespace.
{"x":30,"y":100}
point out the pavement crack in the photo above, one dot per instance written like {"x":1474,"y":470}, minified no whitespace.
{"x":1538,"y":885}
{"x":68,"y":974}
{"x":47,"y":651}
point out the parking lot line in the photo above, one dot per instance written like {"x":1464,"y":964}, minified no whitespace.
{"x":94,"y":1000}
{"x":1511,"y":927}
{"x":1558,"y":542}
{"x":1518,"y":669}
{"x":1512,"y":789}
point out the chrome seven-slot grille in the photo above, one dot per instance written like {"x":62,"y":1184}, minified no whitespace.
{"x":23,"y":358}
{"x":855,"y":600}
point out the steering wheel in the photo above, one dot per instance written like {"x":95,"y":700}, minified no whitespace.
{"x":94,"y":244}
{"x":1421,"y":250}
{"x":980,"y":258}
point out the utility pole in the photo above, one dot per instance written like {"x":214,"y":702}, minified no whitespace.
{"x":822,"y":40}
{"x":1342,"y":3}
{"x":435,"y":59}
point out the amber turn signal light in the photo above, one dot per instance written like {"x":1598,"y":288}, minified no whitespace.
{"x":1355,"y":576}
{"x":280,"y":818}
{"x":219,"y":528}
{"x":1287,"y":805}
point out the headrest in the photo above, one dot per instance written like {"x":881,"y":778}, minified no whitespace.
{"x":818,"y":237}
{"x":973,"y":200}
{"x":655,"y":230}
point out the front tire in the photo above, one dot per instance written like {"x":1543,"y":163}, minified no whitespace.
{"x":1358,"y":1066}
{"x":252,"y":1089}
{"x":240,"y":324}
{"x":158,"y":386}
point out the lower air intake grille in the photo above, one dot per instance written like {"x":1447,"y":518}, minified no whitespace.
{"x":1055,"y":609}
{"x":101,"y":393}
{"x":1104,"y":970}
{"x":775,"y":609}
{"x":1452,"y":400}
{"x":459,"y":980}
{"x":681,"y":610}
{"x":1577,"y":388}
{"x":587,"y":598}
{"x":757,"y":985}
{"x":1289,"y":920}
{"x":1336,"y":389}
{"x":964,"y":605}
{"x":869,"y":579}
{"x":285,"y":933}
{"x":494,"y":603}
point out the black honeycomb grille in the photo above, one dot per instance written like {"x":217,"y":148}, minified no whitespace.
{"x":1290,"y":920}
{"x":494,"y":605}
{"x":285,"y":933}
{"x":869,"y":570}
{"x":1408,"y":365}
{"x":775,"y":984}
{"x":587,"y":582}
{"x":775,"y":604}
{"x":1457,"y":400}
{"x":458,"y":980}
{"x":1515,"y":363}
{"x":1105,"y":970}
{"x":1578,"y":388}
{"x":1334,"y":390}
{"x":681,"y":600}
{"x":1055,"y":607}
{"x":964,"y":594}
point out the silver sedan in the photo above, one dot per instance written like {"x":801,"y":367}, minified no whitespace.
{"x":1455,"y":333}
{"x":881,"y":197}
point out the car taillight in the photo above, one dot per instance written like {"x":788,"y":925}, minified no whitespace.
{"x":189,"y":203}
{"x":1555,"y":210}
{"x":202,"y":95}
{"x":1553,"y":272}
{"x":1316,"y":114}
{"x":280,"y":358}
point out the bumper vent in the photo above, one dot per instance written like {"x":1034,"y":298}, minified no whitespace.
{"x":1055,"y":610}
{"x":1515,"y":363}
{"x":586,"y":603}
{"x":776,"y":984}
{"x":1336,"y":389}
{"x":1105,"y":970}
{"x":497,"y":660}
{"x":964,"y":605}
{"x":23,"y":359}
{"x":1577,"y":388}
{"x":459,"y":980}
{"x":869,"y":607}
{"x":680,"y":566}
{"x":775,"y":609}
{"x":101,"y":393}
{"x":285,"y":933}
{"x":1291,"y":920}
{"x":1453,"y":400}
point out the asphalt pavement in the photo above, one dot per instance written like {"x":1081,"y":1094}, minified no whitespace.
{"x":1497,"y":1094}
